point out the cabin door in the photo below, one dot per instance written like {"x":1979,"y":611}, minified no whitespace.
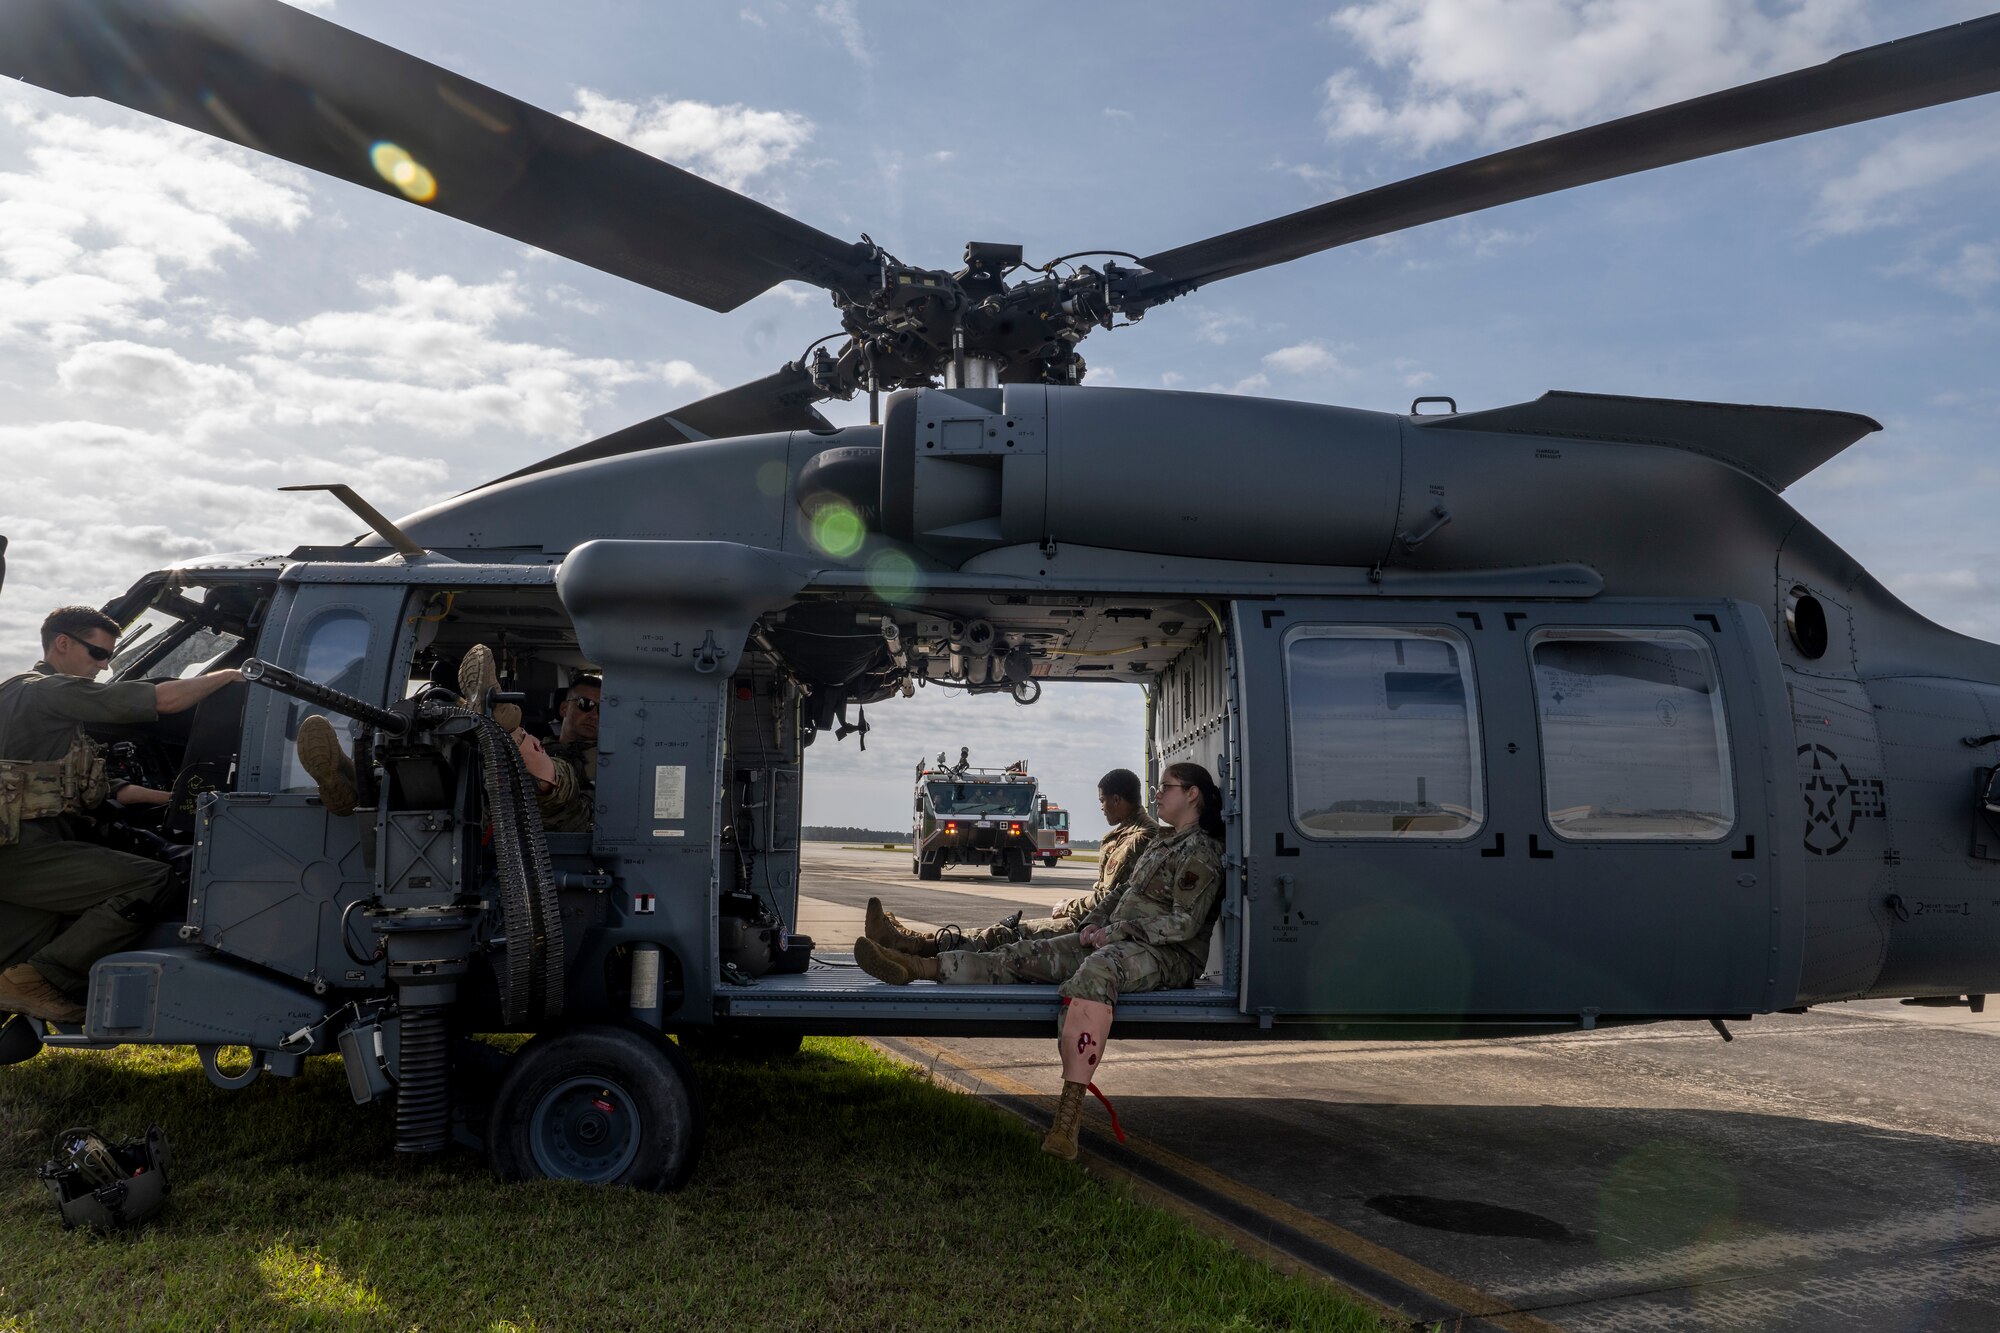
{"x":1491,"y":811}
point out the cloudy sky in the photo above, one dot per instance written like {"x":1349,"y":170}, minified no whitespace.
{"x":185,"y":326}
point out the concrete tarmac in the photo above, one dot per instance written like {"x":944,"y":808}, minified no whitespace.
{"x":1836,"y":1170}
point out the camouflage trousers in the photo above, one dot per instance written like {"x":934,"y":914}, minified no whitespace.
{"x":999,"y":937}
{"x":1123,"y":967}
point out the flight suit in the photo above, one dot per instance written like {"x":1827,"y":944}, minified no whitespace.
{"x":1115,"y":854}
{"x":570,"y":804}
{"x":48,"y":871}
{"x":1158,"y":924}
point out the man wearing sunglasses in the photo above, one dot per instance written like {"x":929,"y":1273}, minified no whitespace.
{"x":51,"y":774}
{"x":565,"y":768}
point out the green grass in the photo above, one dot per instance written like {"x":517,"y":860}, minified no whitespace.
{"x":840,"y":1190}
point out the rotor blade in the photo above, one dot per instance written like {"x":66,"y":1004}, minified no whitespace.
{"x":267,"y":75}
{"x":1929,"y":69}
{"x":780,"y":401}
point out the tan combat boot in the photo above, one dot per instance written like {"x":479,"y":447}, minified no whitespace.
{"x":328,"y":765}
{"x":898,"y":969}
{"x":477,"y":677}
{"x":1061,"y":1138}
{"x":884,"y":929}
{"x":23,"y":990}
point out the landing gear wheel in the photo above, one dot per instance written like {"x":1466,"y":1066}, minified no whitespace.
{"x":1021,"y":871}
{"x":916,"y":866}
{"x":930,"y":870}
{"x":602,"y":1105}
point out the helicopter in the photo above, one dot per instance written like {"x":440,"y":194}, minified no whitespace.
{"x":1539,"y":718}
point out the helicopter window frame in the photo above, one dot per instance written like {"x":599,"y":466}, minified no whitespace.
{"x":1475,"y":811}
{"x":293,"y":776}
{"x":1622,"y":754}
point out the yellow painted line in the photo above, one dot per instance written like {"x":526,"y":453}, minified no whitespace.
{"x":1222,"y":1229}
{"x":1339,"y":1239}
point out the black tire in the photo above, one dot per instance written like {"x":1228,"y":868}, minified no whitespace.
{"x":996,"y":868}
{"x":755,"y":1047}
{"x":1021,"y":871}
{"x":601,"y":1104}
{"x":1050,"y":861}
{"x":930,"y":870}
{"x":916,"y":866}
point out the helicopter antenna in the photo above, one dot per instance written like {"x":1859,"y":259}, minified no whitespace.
{"x":369,"y":514}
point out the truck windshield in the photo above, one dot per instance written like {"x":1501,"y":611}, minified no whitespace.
{"x":982,"y":798}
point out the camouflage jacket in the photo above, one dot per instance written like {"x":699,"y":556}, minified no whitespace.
{"x":1114,"y":858}
{"x":570,"y":804}
{"x":1171,"y":895}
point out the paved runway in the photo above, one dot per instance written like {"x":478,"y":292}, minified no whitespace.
{"x":1838,"y":1170}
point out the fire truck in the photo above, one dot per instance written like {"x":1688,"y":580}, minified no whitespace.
{"x":1051,"y":832}
{"x":966,"y":816}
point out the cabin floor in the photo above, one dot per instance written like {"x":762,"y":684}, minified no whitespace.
{"x":836,"y":885}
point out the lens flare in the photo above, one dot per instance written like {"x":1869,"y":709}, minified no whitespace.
{"x":894,"y":577}
{"x":837,"y":529}
{"x":394,"y":164}
{"x":772,"y":477}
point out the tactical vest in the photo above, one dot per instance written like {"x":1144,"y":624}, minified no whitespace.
{"x":66,"y":786}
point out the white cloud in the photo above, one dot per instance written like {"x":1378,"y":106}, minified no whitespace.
{"x":682,"y":375}
{"x":1879,"y":190}
{"x":93,"y":504}
{"x":731,"y":145}
{"x":1967,"y":269}
{"x":1217,"y":327}
{"x":1505,"y":71}
{"x":845,"y":22}
{"x":153,"y":377}
{"x":91,"y":235}
{"x":1306,"y":358}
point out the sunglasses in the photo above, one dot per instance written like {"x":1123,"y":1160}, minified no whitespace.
{"x":96,"y":654}
{"x":581,"y":704}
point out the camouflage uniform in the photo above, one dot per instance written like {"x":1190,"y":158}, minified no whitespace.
{"x":1158,"y":920}
{"x":570,"y":805}
{"x":1115,"y":854}
{"x":50,"y":872}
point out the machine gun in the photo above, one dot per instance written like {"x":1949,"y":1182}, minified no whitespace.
{"x":427,"y":928}
{"x":387,"y":721}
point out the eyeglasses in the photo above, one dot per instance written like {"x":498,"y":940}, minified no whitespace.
{"x":96,"y":654}
{"x":1172,"y":786}
{"x":581,"y":704}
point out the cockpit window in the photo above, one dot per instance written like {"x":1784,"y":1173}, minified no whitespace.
{"x":1634,"y":741}
{"x":1385,"y":734}
{"x":981,"y":798}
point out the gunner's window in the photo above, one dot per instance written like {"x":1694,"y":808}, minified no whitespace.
{"x":1384,"y":733}
{"x":1634,"y":741}
{"x":335,"y":651}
